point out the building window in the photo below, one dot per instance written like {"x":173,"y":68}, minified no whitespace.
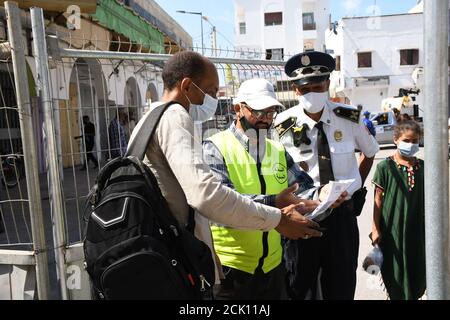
{"x":364,"y":59}
{"x":275,"y":54}
{"x":242,"y":28}
{"x":409,"y":57}
{"x":338,"y":63}
{"x":308,"y":21}
{"x":273,"y":18}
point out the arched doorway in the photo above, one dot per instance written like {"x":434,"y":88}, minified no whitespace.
{"x":132,"y":104}
{"x":87,"y":97}
{"x":151,"y":95}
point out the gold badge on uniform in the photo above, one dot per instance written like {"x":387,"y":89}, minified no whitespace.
{"x":304,"y":166}
{"x":338,"y":135}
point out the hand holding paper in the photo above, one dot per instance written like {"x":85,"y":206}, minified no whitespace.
{"x":329,"y":196}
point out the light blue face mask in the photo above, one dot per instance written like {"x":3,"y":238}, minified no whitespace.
{"x":203,"y":112}
{"x":407,"y":149}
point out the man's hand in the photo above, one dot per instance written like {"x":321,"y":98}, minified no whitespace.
{"x":324,"y":192}
{"x":376,"y":235}
{"x":294,"y":226}
{"x":307,"y":206}
{"x":287,"y":197}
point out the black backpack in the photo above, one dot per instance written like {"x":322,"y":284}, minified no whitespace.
{"x":133,"y":246}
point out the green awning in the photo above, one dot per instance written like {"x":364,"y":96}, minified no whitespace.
{"x":115,"y":16}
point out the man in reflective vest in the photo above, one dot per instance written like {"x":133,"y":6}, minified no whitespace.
{"x":244,"y":159}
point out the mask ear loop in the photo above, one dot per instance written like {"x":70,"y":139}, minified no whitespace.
{"x":190,"y":103}
{"x":204,"y":94}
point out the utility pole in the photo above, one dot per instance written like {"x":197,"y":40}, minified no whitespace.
{"x":214,"y":41}
{"x":201,"y":24}
{"x":436,"y":138}
{"x":213,"y":36}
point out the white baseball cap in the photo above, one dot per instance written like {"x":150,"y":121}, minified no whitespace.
{"x":258,"y":94}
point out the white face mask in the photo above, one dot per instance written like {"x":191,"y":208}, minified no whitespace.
{"x":203,"y":112}
{"x":313,"y":102}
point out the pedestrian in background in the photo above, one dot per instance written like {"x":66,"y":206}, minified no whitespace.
{"x":369,"y":123}
{"x":398,"y":216}
{"x":89,"y":142}
{"x":118,"y":142}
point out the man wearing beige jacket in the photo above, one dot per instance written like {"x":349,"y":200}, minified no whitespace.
{"x":175,"y":157}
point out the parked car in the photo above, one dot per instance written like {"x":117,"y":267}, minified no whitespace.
{"x":384,"y":123}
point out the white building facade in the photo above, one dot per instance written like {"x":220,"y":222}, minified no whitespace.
{"x":277,"y":29}
{"x":376,"y":57}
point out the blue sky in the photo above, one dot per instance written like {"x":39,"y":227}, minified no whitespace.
{"x":221,"y":14}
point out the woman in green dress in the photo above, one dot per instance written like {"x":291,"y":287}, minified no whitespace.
{"x":398,"y":219}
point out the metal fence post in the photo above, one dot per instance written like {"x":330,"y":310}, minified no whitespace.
{"x":29,"y":147}
{"x":436,"y":141}
{"x":57,"y":202}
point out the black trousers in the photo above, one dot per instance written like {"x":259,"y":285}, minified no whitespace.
{"x":333,"y":257}
{"x":240,"y":285}
{"x":90,"y":154}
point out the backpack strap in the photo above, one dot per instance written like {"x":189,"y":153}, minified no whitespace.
{"x":191,"y":221}
{"x":140,"y":143}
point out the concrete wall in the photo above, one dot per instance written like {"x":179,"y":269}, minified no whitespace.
{"x":290,"y":35}
{"x":321,"y":9}
{"x":17,"y":275}
{"x":384,"y":36}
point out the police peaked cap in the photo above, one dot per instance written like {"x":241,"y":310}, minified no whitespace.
{"x":309,"y":67}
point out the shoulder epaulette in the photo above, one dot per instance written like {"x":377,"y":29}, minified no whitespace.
{"x":347,"y":113}
{"x":300,"y":135}
{"x":284,"y":126}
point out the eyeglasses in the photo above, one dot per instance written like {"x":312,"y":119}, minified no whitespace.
{"x":258,"y":114}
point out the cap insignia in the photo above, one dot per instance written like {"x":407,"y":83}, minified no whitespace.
{"x":306,"y":61}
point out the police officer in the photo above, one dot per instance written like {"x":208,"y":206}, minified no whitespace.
{"x":322,"y":137}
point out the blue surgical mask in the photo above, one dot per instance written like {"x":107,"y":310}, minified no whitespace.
{"x":203,"y":112}
{"x":407,"y":149}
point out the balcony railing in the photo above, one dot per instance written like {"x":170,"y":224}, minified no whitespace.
{"x":309,"y":26}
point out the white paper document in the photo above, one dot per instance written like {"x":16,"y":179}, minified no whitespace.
{"x":333,"y":193}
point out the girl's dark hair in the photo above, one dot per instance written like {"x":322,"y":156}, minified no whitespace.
{"x":403,"y":117}
{"x":406,"y":125}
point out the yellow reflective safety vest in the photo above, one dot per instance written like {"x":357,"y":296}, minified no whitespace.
{"x":250,"y":250}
